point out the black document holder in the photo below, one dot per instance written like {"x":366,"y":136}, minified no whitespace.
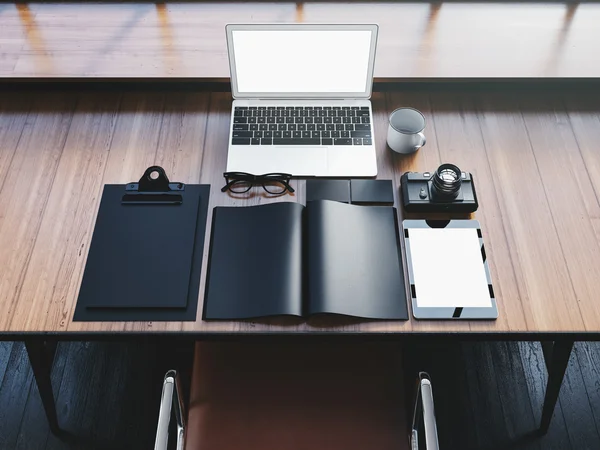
{"x":287,"y":259}
{"x":146,"y":252}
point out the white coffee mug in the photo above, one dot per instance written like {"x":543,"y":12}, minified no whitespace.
{"x":405,"y":130}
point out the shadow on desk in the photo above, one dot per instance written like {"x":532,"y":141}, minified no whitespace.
{"x":318,"y":320}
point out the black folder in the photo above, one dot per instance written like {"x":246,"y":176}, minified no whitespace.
{"x":146,"y":251}
{"x":288,"y":259}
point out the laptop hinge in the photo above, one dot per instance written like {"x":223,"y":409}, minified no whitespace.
{"x":320,"y":99}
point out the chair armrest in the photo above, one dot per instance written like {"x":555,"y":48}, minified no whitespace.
{"x":170,"y":400}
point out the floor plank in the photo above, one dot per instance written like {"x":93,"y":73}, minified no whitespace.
{"x":34,"y":431}
{"x":515,"y":401}
{"x":483,"y":394}
{"x":536,"y":377}
{"x":588,"y":356}
{"x":5,"y":350}
{"x":14,"y":393}
{"x":577,"y":410}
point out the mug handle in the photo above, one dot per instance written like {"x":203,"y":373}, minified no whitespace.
{"x":423,"y":141}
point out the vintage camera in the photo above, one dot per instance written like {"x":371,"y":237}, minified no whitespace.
{"x":448,"y":189}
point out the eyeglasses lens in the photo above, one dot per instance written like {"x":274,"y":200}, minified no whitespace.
{"x":240,"y":186}
{"x":274,"y":187}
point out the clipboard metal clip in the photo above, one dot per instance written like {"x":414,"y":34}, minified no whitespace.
{"x":153,"y":188}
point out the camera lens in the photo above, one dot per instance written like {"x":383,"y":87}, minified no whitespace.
{"x":446,"y":182}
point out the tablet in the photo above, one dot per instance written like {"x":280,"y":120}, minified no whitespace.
{"x":448,"y":271}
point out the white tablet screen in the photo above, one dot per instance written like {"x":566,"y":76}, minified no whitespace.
{"x":448,"y":268}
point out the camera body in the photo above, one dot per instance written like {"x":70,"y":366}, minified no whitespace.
{"x":421,"y":192}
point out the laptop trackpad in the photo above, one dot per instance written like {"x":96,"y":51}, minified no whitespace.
{"x":298,"y":160}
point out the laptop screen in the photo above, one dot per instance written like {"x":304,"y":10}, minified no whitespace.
{"x":302,"y":61}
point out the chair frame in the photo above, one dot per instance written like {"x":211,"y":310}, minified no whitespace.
{"x":424,"y":407}
{"x":171,"y":401}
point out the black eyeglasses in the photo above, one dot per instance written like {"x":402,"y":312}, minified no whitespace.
{"x":273,"y":183}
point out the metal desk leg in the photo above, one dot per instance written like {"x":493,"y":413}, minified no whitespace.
{"x":557,"y":360}
{"x":41,"y":357}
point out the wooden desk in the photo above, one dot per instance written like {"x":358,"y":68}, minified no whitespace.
{"x":534,"y":157}
{"x":534,"y":160}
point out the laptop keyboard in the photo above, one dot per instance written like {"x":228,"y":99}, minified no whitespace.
{"x":301,"y":125}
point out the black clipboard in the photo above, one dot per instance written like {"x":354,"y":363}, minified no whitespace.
{"x":146,"y":251}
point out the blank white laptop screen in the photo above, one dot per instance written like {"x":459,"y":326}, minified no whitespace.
{"x":301,"y":61}
{"x":448,"y":268}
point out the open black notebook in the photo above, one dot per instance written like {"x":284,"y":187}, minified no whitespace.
{"x":288,"y":259}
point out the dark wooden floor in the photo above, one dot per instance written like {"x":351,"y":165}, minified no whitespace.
{"x":107,"y":394}
{"x":488,"y":395}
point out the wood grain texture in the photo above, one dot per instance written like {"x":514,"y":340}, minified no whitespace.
{"x":460,"y":141}
{"x":542,"y":277}
{"x":34,"y":417}
{"x":533,"y":159}
{"x":589,"y":363}
{"x":490,"y":404}
{"x":536,"y":378}
{"x":64,"y":227}
{"x":14,"y":117}
{"x":165,"y":129}
{"x":516,"y":408}
{"x":107,"y":394}
{"x":584,"y":119}
{"x":417,"y":40}
{"x":25,"y":193}
{"x":577,"y":406}
{"x":571,"y":200}
{"x":14,"y":390}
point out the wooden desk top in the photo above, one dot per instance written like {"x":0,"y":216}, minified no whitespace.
{"x":535,"y":159}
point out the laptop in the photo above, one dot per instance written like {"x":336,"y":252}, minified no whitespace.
{"x":301,"y":99}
